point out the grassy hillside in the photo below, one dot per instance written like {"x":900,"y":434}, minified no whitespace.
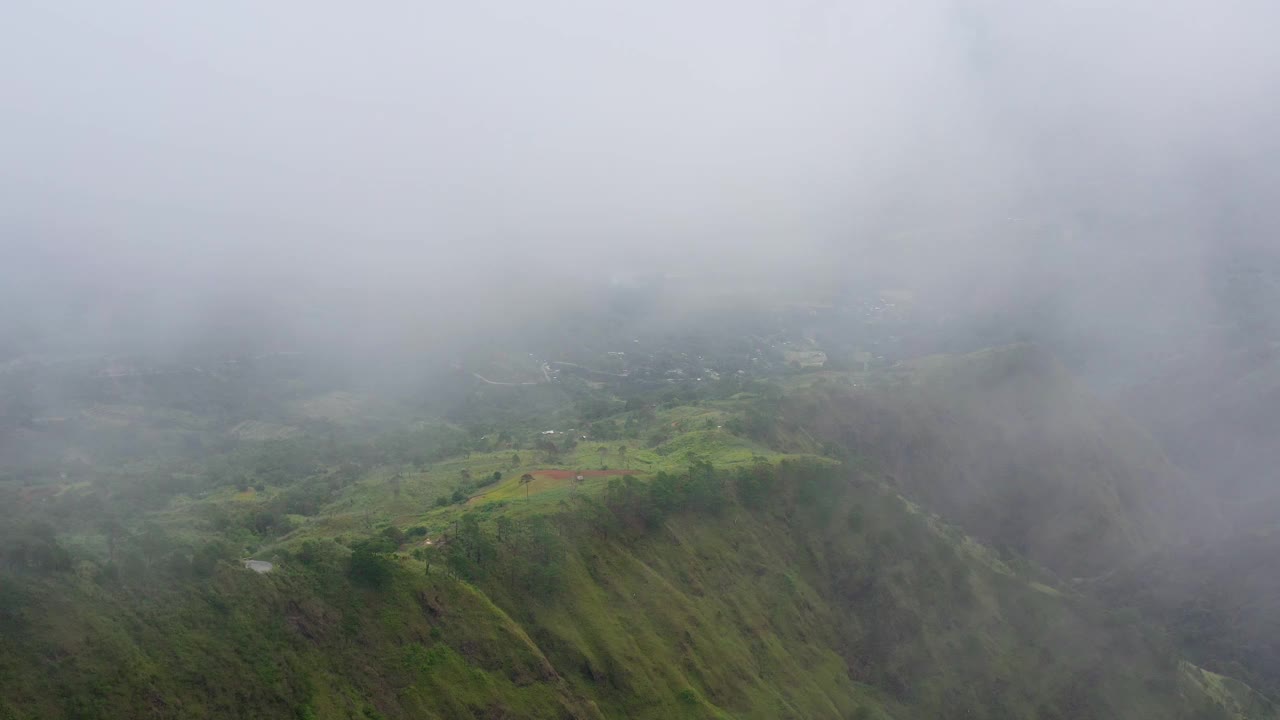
{"x":799,"y":591}
{"x":736,"y":548}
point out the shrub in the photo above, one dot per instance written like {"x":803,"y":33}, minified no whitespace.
{"x":395,"y":535}
{"x":205,"y":560}
{"x":368,"y":566}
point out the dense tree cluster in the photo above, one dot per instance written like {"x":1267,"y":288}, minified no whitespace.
{"x":33,"y":547}
{"x":526,"y":555}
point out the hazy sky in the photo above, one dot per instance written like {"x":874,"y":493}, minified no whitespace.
{"x":165,"y":153}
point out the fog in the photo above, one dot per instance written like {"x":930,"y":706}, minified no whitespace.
{"x":174,"y":171}
{"x":278,"y":276}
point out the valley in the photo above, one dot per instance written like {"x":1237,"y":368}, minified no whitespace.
{"x":679,"y":539}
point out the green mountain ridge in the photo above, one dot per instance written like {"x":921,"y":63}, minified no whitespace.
{"x":888,"y":544}
{"x":797,"y":591}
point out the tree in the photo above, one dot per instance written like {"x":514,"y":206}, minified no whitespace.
{"x":477,"y":544}
{"x":205,"y":560}
{"x":36,"y":553}
{"x":664,"y":492}
{"x":551,"y":450}
{"x":545,"y":553}
{"x":471,"y":551}
{"x":604,"y":455}
{"x":12,"y":600}
{"x":755,"y":484}
{"x":515,"y":459}
{"x":704,"y":488}
{"x":622,"y":456}
{"x":112,"y":528}
{"x":155,"y":542}
{"x":395,"y":535}
{"x":315,"y":552}
{"x":429,"y":554}
{"x":368,"y":565}
{"x":395,"y":485}
{"x":526,"y":480}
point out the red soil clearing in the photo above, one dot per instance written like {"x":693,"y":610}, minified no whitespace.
{"x":30,"y":494}
{"x":569,"y":474}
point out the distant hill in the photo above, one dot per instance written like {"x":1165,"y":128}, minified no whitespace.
{"x":1008,"y":445}
{"x":1218,"y":415}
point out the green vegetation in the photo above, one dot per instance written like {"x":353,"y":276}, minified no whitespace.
{"x":1218,"y":601}
{"x":741,"y":547}
{"x":774,"y":590}
{"x":1007,"y":445}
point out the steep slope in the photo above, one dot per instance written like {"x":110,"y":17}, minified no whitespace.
{"x":1220,"y":601}
{"x":797,"y":592}
{"x":1218,"y":414}
{"x":1007,"y":445}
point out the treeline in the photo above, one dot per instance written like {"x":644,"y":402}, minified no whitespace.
{"x":32,"y":546}
{"x":636,"y":417}
{"x":525,"y":557}
{"x":629,"y":506}
{"x":519,"y":556}
{"x":144,"y":557}
{"x":516,"y":555}
{"x":309,"y":471}
{"x":280,"y":462}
